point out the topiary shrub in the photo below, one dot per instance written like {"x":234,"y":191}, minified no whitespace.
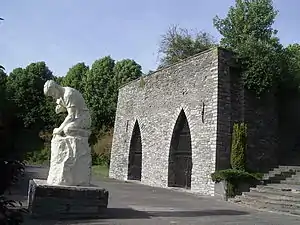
{"x":238,"y":147}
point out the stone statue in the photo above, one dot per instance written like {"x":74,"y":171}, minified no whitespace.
{"x":70,"y":162}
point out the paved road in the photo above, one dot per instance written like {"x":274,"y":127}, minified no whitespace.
{"x":137,"y":204}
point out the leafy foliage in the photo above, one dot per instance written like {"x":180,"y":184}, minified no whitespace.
{"x":125,"y":71}
{"x":75,"y":77}
{"x":179,"y":43}
{"x":233,"y":175}
{"x":238,"y":147}
{"x":101,"y":90}
{"x":233,"y":178}
{"x":25,"y":89}
{"x":3,"y":79}
{"x":291,"y":79}
{"x":10,"y":171}
{"x":8,"y":215}
{"x":40,"y":157}
{"x":59,"y":80}
{"x":247,"y":30}
{"x":97,"y":92}
{"x":101,"y":150}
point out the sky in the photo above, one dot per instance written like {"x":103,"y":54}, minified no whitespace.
{"x":65,"y":32}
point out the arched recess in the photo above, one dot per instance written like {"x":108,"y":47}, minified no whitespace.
{"x":135,"y":154}
{"x":180,"y":155}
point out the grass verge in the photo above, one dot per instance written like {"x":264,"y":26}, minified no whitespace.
{"x":100,"y":170}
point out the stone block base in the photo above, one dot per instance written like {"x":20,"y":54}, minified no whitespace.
{"x":47,"y":200}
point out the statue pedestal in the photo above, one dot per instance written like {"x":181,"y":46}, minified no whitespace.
{"x":60,"y":200}
{"x":70,"y":162}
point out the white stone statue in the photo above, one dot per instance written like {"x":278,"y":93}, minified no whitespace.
{"x":71,"y":159}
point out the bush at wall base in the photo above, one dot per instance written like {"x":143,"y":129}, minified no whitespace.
{"x":237,"y":180}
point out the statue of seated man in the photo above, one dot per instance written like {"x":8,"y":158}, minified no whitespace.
{"x":70,"y":162}
{"x":78,"y":120}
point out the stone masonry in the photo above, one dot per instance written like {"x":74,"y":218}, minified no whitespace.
{"x":211,"y":94}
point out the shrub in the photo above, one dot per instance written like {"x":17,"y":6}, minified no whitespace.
{"x":101,"y":150}
{"x":238,"y":147}
{"x":233,"y":178}
{"x":8,"y":214}
{"x":39,"y":157}
{"x":98,"y":159}
{"x":232,"y":175}
{"x":10,"y":173}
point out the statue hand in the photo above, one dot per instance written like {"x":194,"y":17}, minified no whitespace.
{"x":60,"y":109}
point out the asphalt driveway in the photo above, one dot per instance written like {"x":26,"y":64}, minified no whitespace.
{"x":136,"y":204}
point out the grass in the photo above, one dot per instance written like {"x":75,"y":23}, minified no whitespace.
{"x":100,"y":170}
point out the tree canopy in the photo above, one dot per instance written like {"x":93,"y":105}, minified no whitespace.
{"x":25,"y":89}
{"x":247,"y":30}
{"x":101,"y":88}
{"x":179,"y":43}
{"x":75,"y":77}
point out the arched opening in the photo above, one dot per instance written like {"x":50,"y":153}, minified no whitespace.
{"x":180,"y":155}
{"x":135,"y":154}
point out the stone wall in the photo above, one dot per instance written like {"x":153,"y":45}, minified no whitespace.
{"x":209,"y":89}
{"x":237,"y":104}
{"x":155,"y":102}
{"x":261,"y":116}
{"x":289,"y":128}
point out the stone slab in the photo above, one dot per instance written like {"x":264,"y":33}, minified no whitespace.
{"x":47,"y":200}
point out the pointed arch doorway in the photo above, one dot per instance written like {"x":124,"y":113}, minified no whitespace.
{"x":180,"y":154}
{"x":135,"y":154}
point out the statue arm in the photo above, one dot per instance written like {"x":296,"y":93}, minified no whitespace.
{"x":69,"y":118}
{"x":60,"y":107}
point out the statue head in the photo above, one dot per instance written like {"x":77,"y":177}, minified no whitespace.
{"x":51,"y":88}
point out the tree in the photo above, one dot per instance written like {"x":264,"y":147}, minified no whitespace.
{"x":247,"y":30}
{"x":125,"y":71}
{"x":3,"y":79}
{"x":76,"y":76}
{"x":25,"y":88}
{"x":101,"y":90}
{"x":3,"y":102}
{"x":96,"y":91}
{"x":179,"y":43}
{"x":291,"y":79}
{"x":32,"y":111}
{"x":1,"y":67}
{"x":59,"y":80}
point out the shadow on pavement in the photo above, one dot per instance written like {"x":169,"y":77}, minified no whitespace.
{"x":128,"y":213}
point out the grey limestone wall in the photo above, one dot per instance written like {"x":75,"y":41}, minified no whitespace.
{"x":237,"y":104}
{"x":155,"y":102}
{"x":209,"y":88}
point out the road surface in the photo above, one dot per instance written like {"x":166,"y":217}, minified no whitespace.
{"x":136,"y":204}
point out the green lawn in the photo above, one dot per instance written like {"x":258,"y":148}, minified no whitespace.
{"x":100,"y":171}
